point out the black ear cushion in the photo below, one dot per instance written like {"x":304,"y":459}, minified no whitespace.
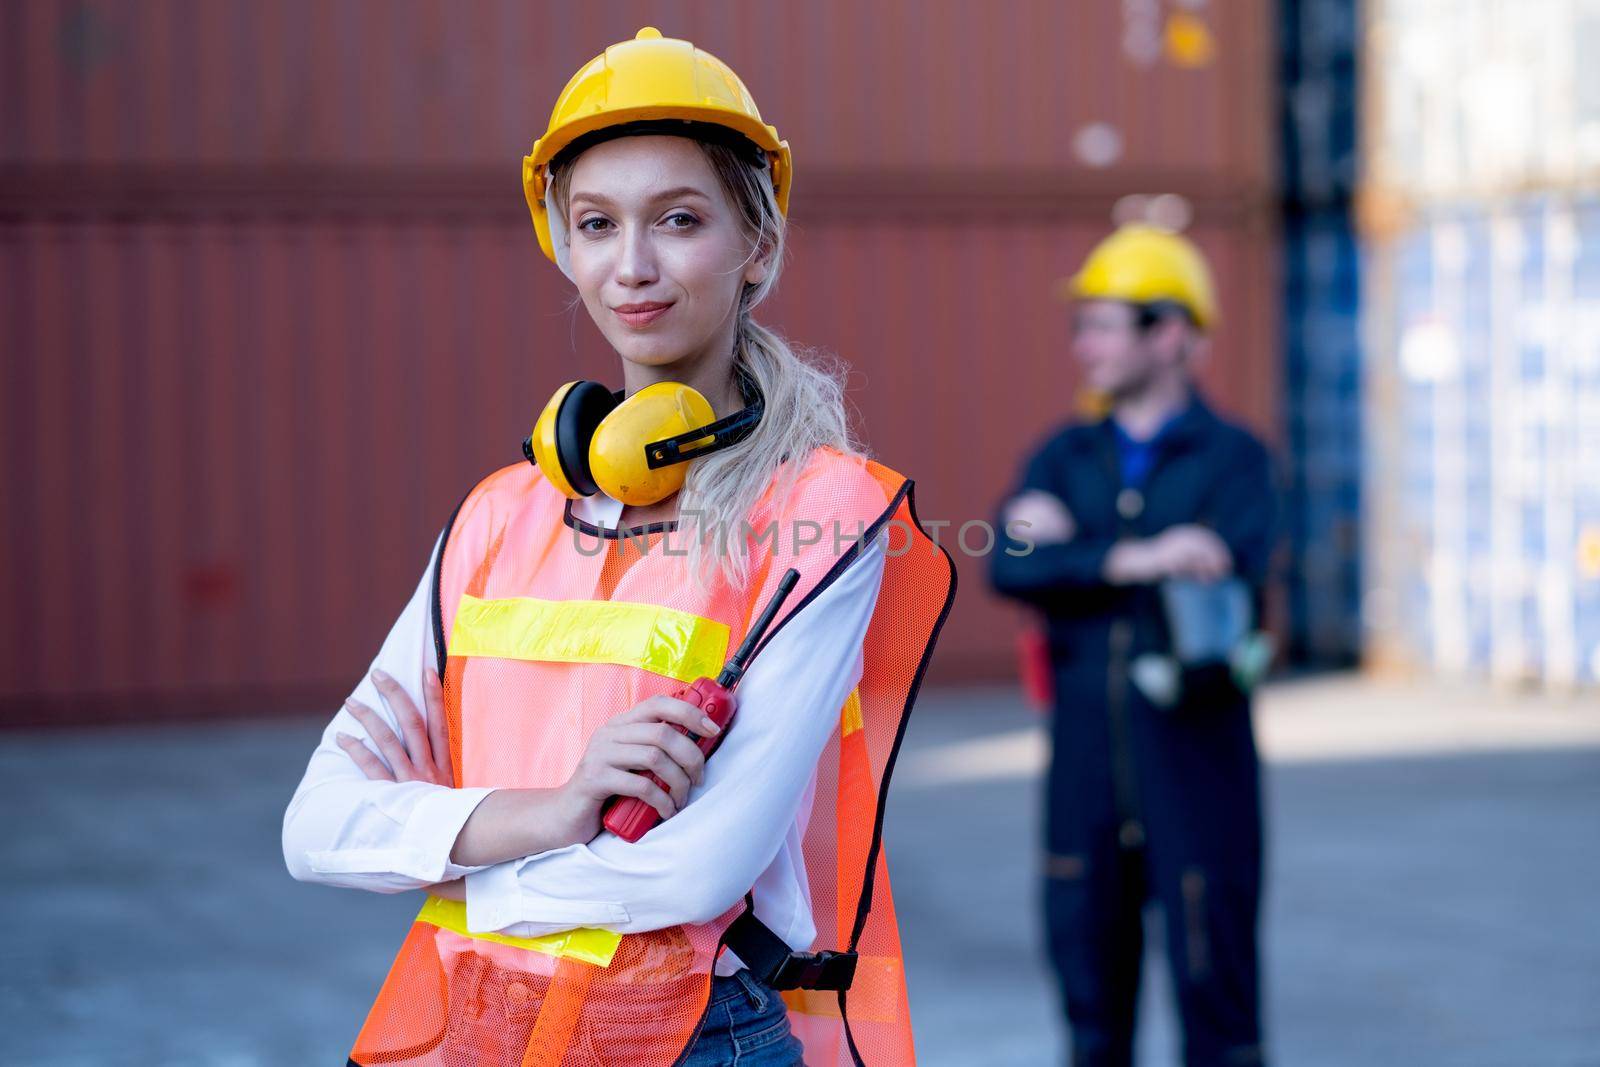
{"x":585,"y":404}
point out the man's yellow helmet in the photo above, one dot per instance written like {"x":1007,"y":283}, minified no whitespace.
{"x":1144,"y":264}
{"x":649,"y":79}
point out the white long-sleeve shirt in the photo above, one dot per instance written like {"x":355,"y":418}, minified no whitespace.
{"x":742,"y":829}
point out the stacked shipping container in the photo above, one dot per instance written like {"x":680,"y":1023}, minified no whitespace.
{"x":1482,"y":220}
{"x":1321,"y":356}
{"x":277,"y":302}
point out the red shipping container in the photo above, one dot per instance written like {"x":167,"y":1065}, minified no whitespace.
{"x":275,"y":302}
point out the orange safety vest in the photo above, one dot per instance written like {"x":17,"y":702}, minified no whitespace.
{"x":553,"y":627}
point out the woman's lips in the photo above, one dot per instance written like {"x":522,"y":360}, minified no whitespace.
{"x":638,"y":316}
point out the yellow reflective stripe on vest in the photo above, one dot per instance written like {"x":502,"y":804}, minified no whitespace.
{"x":875,"y":994}
{"x":589,"y":945}
{"x":661,"y":640}
{"x":850,"y":714}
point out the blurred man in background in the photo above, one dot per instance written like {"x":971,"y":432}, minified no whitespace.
{"x":1151,"y":531}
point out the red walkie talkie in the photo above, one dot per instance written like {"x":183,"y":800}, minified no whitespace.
{"x":629,"y":817}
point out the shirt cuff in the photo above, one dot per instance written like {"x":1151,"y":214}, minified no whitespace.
{"x":435,"y":824}
{"x":498,"y":903}
{"x":422,"y":853}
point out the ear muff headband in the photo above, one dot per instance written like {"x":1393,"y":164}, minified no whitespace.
{"x":726,"y":431}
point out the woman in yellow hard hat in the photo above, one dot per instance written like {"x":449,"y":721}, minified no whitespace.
{"x":539,"y":671}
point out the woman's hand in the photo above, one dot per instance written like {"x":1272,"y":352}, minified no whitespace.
{"x":510,"y":823}
{"x":424,"y":756}
{"x":639,"y":739}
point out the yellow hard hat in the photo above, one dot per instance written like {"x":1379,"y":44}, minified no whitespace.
{"x":1144,"y":264}
{"x":648,"y":79}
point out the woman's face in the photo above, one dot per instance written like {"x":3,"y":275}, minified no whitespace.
{"x":657,"y":249}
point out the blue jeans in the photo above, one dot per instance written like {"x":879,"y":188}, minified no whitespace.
{"x":746,"y":1024}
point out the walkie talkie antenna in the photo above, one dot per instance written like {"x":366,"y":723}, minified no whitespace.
{"x":735,"y":669}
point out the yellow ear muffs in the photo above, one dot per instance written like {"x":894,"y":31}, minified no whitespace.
{"x":559,"y":445}
{"x":589,"y":439}
{"x":618,"y":456}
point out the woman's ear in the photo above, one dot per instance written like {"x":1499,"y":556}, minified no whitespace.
{"x":755,"y":272}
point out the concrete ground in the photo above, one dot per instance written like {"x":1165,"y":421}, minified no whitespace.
{"x":1434,"y":874}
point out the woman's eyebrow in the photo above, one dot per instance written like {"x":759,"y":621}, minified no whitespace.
{"x":677,"y":193}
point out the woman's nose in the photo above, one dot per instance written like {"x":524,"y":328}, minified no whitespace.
{"x":637,"y":266}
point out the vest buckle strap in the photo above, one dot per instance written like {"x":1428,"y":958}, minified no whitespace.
{"x":770,"y":958}
{"x":815,"y":970}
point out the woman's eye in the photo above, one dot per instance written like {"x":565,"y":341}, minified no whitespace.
{"x":681,"y":220}
{"x":594,"y":224}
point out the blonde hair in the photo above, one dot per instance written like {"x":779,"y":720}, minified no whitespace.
{"x":802,"y":391}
